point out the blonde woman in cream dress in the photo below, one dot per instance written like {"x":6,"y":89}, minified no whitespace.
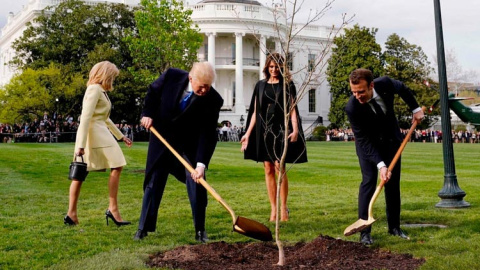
{"x":95,"y":142}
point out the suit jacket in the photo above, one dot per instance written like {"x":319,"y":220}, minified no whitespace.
{"x":95,"y":124}
{"x":372,"y":136}
{"x":191,"y":132}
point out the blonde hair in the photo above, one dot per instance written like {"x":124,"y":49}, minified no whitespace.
{"x":203,"y":72}
{"x":103,"y":73}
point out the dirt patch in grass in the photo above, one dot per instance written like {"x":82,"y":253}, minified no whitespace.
{"x":322,"y":253}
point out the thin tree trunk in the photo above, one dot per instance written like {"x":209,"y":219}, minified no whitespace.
{"x":281,"y":171}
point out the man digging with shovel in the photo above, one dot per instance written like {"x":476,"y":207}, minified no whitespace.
{"x":370,"y":111}
{"x":185,"y":109}
{"x":181,"y":110}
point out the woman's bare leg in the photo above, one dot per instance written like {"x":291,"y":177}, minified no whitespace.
{"x":73,"y":196}
{"x":113,"y":184}
{"x":271,"y":188}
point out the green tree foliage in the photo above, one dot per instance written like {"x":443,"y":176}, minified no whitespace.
{"x":68,"y":33}
{"x":75,"y":36}
{"x":319,"y":133}
{"x":166,"y":37}
{"x":357,"y":48}
{"x":408,"y":63}
{"x":32,"y":92}
{"x":404,"y":61}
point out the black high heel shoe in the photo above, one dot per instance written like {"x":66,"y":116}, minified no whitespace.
{"x":68,"y":221}
{"x":109,"y":214}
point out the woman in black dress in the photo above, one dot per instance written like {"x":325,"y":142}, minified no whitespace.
{"x":264,"y":138}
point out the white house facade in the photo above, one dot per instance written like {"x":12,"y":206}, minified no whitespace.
{"x":238,"y":35}
{"x":16,"y":24}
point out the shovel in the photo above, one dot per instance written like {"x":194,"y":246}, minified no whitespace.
{"x":361,"y":224}
{"x":245,"y":226}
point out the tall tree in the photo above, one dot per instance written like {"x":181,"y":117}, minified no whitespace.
{"x":357,"y":48}
{"x":67,"y":33}
{"x":74,"y":36}
{"x":408,"y":63}
{"x":404,"y":61}
{"x":32,"y":92}
{"x":166,"y":37}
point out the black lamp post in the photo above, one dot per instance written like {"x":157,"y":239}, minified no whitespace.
{"x":242,"y":120}
{"x":451,"y":194}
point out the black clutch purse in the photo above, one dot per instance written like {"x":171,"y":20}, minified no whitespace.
{"x":78,"y":170}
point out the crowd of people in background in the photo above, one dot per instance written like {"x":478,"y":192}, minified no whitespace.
{"x":57,"y":128}
{"x":435,"y":136}
{"x":63,"y":129}
{"x":339,"y":135}
{"x":227,"y":133}
{"x":425,"y":135}
{"x":42,"y":129}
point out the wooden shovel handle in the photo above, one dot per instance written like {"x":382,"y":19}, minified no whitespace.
{"x":390,"y":167}
{"x":404,"y":143}
{"x":402,"y":146}
{"x":191,"y":169}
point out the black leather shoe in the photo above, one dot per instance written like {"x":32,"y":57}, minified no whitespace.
{"x":201,"y":236}
{"x":366,"y":238}
{"x":140,"y":234}
{"x":398,"y":232}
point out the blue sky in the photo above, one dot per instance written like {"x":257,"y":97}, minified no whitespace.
{"x":410,"y":19}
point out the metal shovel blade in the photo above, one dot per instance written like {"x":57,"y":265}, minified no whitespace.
{"x":253,"y":229}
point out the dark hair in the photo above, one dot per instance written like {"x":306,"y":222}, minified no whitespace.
{"x":361,"y":74}
{"x":277,"y":59}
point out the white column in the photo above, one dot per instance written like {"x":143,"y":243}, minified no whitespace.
{"x":262,"y":57}
{"x":239,"y":102}
{"x":278,"y":47}
{"x":211,"y":48}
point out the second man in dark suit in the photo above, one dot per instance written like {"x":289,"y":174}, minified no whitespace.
{"x":370,"y":111}
{"x":184,"y":108}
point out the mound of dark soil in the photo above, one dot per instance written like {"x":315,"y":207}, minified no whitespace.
{"x":322,"y":253}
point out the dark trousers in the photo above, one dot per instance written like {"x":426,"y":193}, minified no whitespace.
{"x":392,"y":190}
{"x":154,"y":187}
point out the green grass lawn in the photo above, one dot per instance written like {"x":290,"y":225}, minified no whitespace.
{"x":322,"y":200}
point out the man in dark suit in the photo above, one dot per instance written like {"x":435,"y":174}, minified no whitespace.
{"x":184,"y":109}
{"x":370,"y":111}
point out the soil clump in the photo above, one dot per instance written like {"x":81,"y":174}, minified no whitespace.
{"x":324,"y":252}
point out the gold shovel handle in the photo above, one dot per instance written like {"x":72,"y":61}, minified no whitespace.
{"x":191,"y":170}
{"x":390,"y":167}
